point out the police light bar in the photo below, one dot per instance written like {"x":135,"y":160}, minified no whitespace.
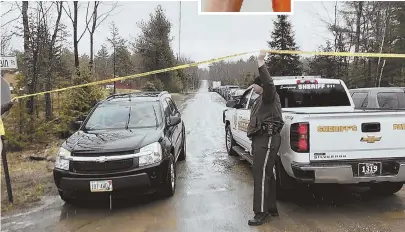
{"x":295,"y":77}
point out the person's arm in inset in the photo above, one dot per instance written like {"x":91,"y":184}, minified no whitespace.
{"x":223,"y":5}
{"x":269,"y":90}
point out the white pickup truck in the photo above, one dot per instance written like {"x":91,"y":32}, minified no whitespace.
{"x":324,"y":139}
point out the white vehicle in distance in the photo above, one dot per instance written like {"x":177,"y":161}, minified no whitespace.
{"x":324,"y":139}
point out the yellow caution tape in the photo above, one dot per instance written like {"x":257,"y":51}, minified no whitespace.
{"x":358,"y":54}
{"x":382,"y":55}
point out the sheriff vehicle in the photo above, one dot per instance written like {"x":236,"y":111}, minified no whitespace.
{"x":324,"y":139}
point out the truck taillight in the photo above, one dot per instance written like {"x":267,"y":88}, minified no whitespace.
{"x":299,"y":137}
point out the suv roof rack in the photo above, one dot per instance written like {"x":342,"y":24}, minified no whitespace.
{"x":137,"y":94}
{"x":294,"y":77}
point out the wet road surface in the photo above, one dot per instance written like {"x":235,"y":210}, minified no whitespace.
{"x":214,"y":193}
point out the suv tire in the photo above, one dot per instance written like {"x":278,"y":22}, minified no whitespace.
{"x":229,"y":141}
{"x":386,"y":189}
{"x":169,"y":186}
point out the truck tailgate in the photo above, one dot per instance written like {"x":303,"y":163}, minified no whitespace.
{"x":357,"y":135}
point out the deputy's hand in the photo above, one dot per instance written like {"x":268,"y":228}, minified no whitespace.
{"x":260,"y":58}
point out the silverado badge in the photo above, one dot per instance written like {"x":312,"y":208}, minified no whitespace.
{"x":370,"y":139}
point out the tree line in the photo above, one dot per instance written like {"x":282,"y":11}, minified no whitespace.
{"x":49,"y":62}
{"x":371,"y":27}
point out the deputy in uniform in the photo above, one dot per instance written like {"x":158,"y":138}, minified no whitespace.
{"x":264,"y":131}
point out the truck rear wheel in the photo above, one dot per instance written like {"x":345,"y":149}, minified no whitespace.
{"x":386,"y":189}
{"x":229,"y":142}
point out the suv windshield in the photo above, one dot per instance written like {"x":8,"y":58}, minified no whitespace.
{"x":125,"y":116}
{"x":312,"y":95}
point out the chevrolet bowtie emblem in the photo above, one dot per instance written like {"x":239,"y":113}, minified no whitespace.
{"x":101,"y":159}
{"x":370,"y":139}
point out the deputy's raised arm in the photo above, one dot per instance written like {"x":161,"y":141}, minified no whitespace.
{"x":269,"y":90}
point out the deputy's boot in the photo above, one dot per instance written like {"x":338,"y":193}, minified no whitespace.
{"x":258,"y":219}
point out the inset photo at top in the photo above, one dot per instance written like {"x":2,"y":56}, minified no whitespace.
{"x":245,"y":6}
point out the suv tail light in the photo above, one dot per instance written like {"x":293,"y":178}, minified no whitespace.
{"x":299,"y":137}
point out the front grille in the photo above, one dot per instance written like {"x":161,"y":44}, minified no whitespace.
{"x":98,"y":153}
{"x":106,"y":167}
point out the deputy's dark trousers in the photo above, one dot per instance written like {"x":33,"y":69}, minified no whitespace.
{"x":264,"y":150}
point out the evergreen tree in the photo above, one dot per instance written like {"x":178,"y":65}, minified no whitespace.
{"x":324,"y":65}
{"x":153,"y":46}
{"x":123,"y":59}
{"x":282,"y":38}
{"x":121,"y":55}
{"x":102,"y":63}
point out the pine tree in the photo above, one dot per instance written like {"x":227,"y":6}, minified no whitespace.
{"x":153,"y":46}
{"x":121,"y":56}
{"x":102,"y":64}
{"x":324,"y":65}
{"x":282,"y":38}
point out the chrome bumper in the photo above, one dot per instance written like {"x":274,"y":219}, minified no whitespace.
{"x":341,"y":174}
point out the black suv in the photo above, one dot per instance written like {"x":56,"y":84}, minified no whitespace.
{"x":128,"y":144}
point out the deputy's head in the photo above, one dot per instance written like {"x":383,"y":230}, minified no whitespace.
{"x":257,"y":85}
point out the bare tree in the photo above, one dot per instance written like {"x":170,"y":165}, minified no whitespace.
{"x":51,"y":62}
{"x":73,"y":18}
{"x":97,"y":20}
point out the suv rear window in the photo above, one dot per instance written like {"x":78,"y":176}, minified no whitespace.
{"x":312,"y":95}
{"x":125,"y":116}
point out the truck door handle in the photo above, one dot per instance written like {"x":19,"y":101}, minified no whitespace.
{"x":371,"y":127}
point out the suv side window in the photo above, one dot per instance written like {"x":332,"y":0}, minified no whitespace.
{"x":172,"y":107}
{"x":360,"y":99}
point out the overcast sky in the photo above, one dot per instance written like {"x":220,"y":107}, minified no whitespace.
{"x":204,"y":36}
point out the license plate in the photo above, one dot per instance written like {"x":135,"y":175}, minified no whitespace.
{"x":369,"y":169}
{"x":101,"y":186}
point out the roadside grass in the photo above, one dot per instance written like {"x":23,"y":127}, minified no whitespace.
{"x":29,"y":179}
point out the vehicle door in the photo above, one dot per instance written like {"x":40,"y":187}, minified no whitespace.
{"x":177,"y":129}
{"x":245,"y":115}
{"x":241,"y":120}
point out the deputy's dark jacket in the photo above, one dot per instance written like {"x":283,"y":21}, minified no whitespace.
{"x":267,"y":107}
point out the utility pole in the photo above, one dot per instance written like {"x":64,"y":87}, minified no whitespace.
{"x":114,"y":69}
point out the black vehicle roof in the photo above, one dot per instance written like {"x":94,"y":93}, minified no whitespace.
{"x":137,"y":96}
